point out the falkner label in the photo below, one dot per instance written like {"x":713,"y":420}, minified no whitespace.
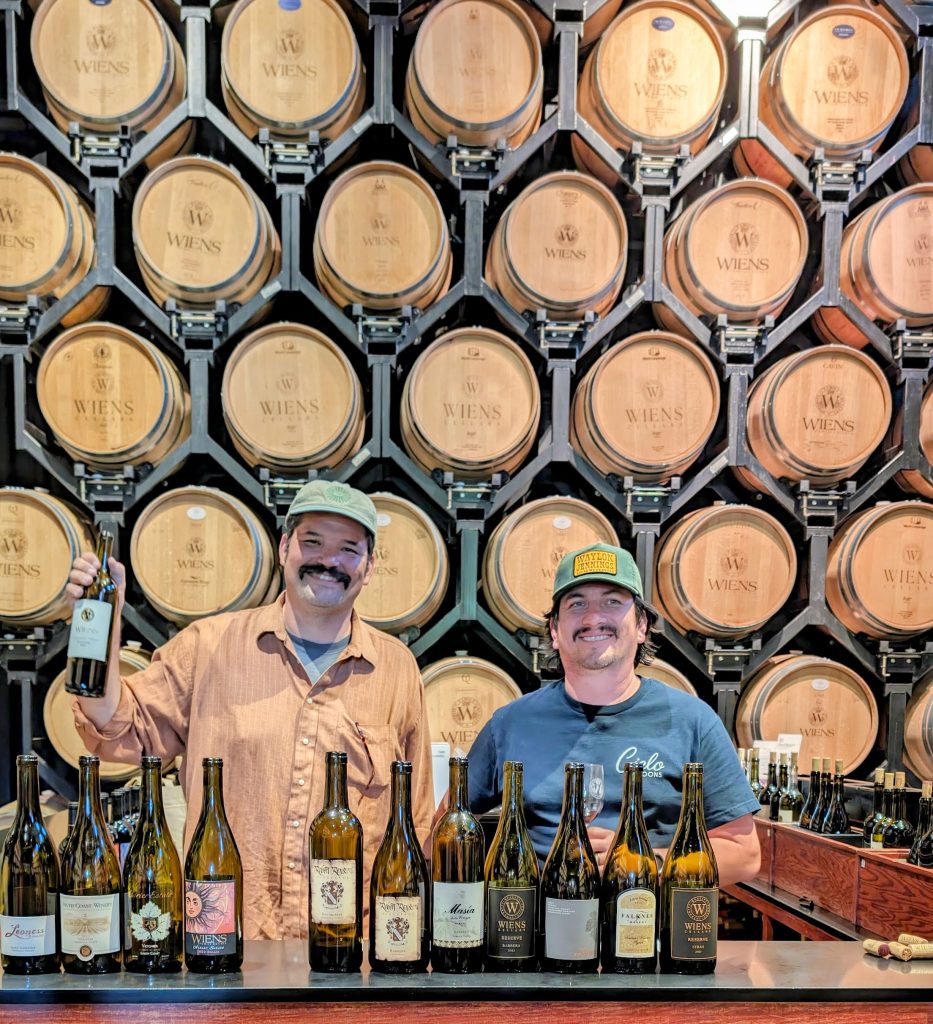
{"x":635,"y":914}
{"x":333,"y":891}
{"x":595,"y":561}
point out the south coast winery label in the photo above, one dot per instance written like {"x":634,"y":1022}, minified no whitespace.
{"x":333,"y":891}
{"x":90,"y":925}
{"x":510,"y":913}
{"x":694,"y":923}
{"x":210,"y":918}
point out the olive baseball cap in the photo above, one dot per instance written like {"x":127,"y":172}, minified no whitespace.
{"x":598,"y":563}
{"x":338,"y":498}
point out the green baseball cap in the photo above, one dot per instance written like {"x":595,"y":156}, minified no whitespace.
{"x":338,"y":498}
{"x":598,"y":563}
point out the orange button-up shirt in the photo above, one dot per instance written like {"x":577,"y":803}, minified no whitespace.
{"x":232,"y":686}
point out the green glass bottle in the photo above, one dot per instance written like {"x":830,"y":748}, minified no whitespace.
{"x":92,"y":624}
{"x":887,"y":813}
{"x":813,"y":794}
{"x":877,"y":809}
{"x":835,"y":820}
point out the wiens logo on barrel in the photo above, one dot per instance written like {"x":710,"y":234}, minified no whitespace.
{"x":101,"y":40}
{"x":13,"y":548}
{"x":842,"y":72}
{"x":197,"y":216}
{"x":11,"y":220}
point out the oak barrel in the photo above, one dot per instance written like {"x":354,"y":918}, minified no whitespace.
{"x":665,"y":673}
{"x":560,"y":246}
{"x":412,"y":568}
{"x":656,"y":76}
{"x":523,"y":553}
{"x":40,"y":536}
{"x":201,"y":234}
{"x":381,"y":239}
{"x":836,"y":82}
{"x":886,"y":266}
{"x":291,"y":400}
{"x":460,"y":695}
{"x":911,"y":479}
{"x":817,"y":415}
{"x":197,"y":551}
{"x":724,"y":571}
{"x":826,"y":703}
{"x":111,"y":398}
{"x":917,"y":164}
{"x":646,"y":408}
{"x":471,"y":405}
{"x":109,"y":65}
{"x":739,"y":249}
{"x":60,"y":724}
{"x":918,"y":729}
{"x":878,"y":576}
{"x":293,"y":68}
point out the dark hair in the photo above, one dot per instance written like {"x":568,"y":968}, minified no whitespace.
{"x":292,"y":523}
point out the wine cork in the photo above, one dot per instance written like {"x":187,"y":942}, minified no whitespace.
{"x":839,"y":764}
{"x":926,"y":790}
{"x":879,"y":776}
{"x":814,"y":764}
{"x":889,"y":780}
{"x":888,"y":949}
{"x":783,"y":758}
{"x":912,"y":940}
{"x":921,"y":951}
{"x":900,"y":780}
{"x":826,"y":764}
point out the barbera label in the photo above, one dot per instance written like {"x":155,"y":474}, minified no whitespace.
{"x":333,"y":891}
{"x":510,"y":916}
{"x":635,"y":915}
{"x":694,"y":923}
{"x":90,"y":630}
{"x":210,"y":918}
{"x":27,"y":936}
{"x":398,"y":927}
{"x":570,"y":929}
{"x":90,"y":925}
{"x":458,"y":914}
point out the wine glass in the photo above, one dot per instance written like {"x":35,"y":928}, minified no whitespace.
{"x":594,"y":789}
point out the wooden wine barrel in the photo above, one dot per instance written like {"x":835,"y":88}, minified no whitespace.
{"x":836,"y":81}
{"x":665,"y":673}
{"x":918,"y":729}
{"x":109,"y":65}
{"x":60,"y":724}
{"x":656,"y":76}
{"x":910,"y":479}
{"x":111,"y":398}
{"x":724,"y":571}
{"x":381,"y":239}
{"x":461,"y":695}
{"x":646,"y":408}
{"x":292,"y":68}
{"x":917,"y":165}
{"x":412,"y":568}
{"x":201,"y":234}
{"x":560,"y":246}
{"x":471,"y":405}
{"x":523,"y":553}
{"x":291,"y":399}
{"x":817,"y":415}
{"x":878,"y":576}
{"x":40,"y":536}
{"x":475,"y":72}
{"x":826,"y":703}
{"x":48,"y":238}
{"x":739,"y":250}
{"x":197,"y":551}
{"x":886,"y":266}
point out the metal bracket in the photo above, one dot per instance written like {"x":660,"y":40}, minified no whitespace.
{"x":834,"y":179}
{"x":20,"y":321}
{"x":655,"y":174}
{"x":100,"y":156}
{"x":106,"y":492}
{"x":381,"y":335}
{"x":897,"y":661}
{"x":823,"y":507}
{"x":647,"y":503}
{"x":474,"y":166}
{"x":469,"y":500}
{"x":197,"y":329}
{"x":741,"y":344}
{"x":278,"y":492}
{"x":563,"y":339}
{"x":913,"y":350}
{"x":729,"y":659}
{"x":292,"y":162}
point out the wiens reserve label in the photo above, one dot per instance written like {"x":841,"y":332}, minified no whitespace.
{"x":510,"y":927}
{"x":694,"y":923}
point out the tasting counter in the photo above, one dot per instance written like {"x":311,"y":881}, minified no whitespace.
{"x":755,"y":983}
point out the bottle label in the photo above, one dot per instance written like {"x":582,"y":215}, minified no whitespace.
{"x":398,"y":927}
{"x":570,"y":929}
{"x":635,"y":916}
{"x":877,"y":843}
{"x":333,"y":891}
{"x":510,"y":915}
{"x":27,"y":936}
{"x":694,"y":923}
{"x":210,"y":918}
{"x":458,"y":914}
{"x":90,"y":630}
{"x":90,"y":925}
{"x":148,"y":917}
{"x":786,"y":814}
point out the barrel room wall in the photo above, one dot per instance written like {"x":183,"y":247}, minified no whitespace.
{"x":533,"y":280}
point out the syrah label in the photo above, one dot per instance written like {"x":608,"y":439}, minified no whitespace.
{"x":458,"y":914}
{"x":398,"y":927}
{"x":571,"y":929}
{"x":210,"y":918}
{"x":635,"y":916}
{"x":90,"y":925}
{"x":333,"y":891}
{"x":90,"y":630}
{"x":694,"y":923}
{"x":27,"y":936}
{"x":510,"y":917}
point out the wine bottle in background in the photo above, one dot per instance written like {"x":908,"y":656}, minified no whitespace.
{"x":835,"y":819}
{"x":922,"y":849}
{"x":743,"y":759}
{"x":92,"y":623}
{"x":29,"y":879}
{"x":69,"y":828}
{"x":629,"y":895}
{"x":152,"y":885}
{"x":796,"y":795}
{"x":887,"y":812}
{"x":457,"y":882}
{"x":512,"y":884}
{"x":813,"y":794}
{"x":570,"y":889}
{"x":822,"y":800}
{"x":120,"y":830}
{"x":899,"y":832}
{"x":877,"y":808}
{"x":781,"y":791}
{"x":754,"y":770}
{"x":399,"y":940}
{"x":764,"y":798}
{"x":335,"y":877}
{"x":690,"y":888}
{"x":89,"y":905}
{"x":213,"y":884}
{"x":924,"y":820}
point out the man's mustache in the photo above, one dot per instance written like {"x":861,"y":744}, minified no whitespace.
{"x":340,"y":577}
{"x":599,"y":629}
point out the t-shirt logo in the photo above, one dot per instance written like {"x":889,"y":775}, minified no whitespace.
{"x":594,"y":561}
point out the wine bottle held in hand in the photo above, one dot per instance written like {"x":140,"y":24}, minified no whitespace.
{"x":213,"y":885}
{"x":92,"y":623}
{"x":335,"y":867}
{"x":457,"y":882}
{"x":29,"y":879}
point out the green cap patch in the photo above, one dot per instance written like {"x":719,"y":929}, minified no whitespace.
{"x":339,"y":498}
{"x":598,"y":563}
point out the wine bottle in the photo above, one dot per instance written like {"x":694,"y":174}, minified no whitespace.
{"x":89,"y":905}
{"x":399,"y":941}
{"x":924,"y":821}
{"x":92,"y":623}
{"x":690,"y":887}
{"x":213,"y":884}
{"x":877,"y":808}
{"x":887,"y":812}
{"x":922,"y":850}
{"x":29,"y":879}
{"x":152,"y":886}
{"x":899,"y":832}
{"x":335,"y":876}
{"x":754,"y":770}
{"x":823,"y":798}
{"x":570,"y":889}
{"x":120,"y":830}
{"x":835,"y":820}
{"x":813,"y":794}
{"x":779,"y":793}
{"x":69,"y":827}
{"x":512,"y":884}
{"x":768,"y":792}
{"x":629,"y":896}
{"x":743,"y":759}
{"x":796,"y":794}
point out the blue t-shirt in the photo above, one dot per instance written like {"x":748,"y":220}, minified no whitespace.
{"x":657,"y":727}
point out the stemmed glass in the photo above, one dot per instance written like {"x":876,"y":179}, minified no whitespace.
{"x":594,"y":789}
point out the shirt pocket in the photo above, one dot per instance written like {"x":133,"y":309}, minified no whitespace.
{"x":370,"y":753}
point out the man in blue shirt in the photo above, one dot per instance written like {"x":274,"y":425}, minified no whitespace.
{"x":601,"y":712}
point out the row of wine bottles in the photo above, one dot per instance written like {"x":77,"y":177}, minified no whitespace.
{"x":888,"y":826}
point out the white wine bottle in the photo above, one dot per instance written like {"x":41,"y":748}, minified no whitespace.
{"x":92,"y":623}
{"x":813,"y":794}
